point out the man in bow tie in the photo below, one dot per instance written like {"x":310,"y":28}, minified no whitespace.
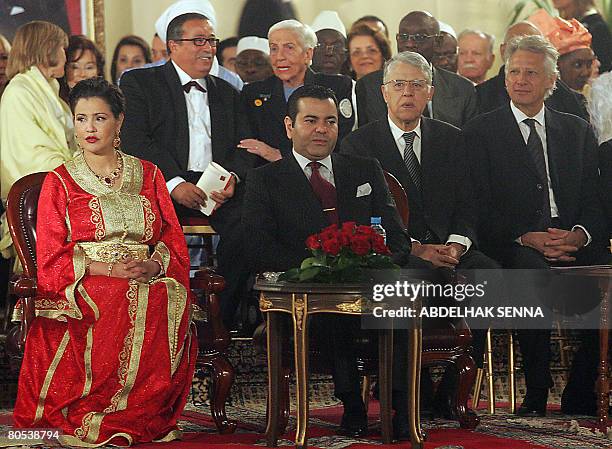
{"x":181,"y":118}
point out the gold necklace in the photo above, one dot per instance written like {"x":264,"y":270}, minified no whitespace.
{"x":109,"y":179}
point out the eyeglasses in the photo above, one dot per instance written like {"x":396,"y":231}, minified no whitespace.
{"x":201,"y":41}
{"x":418,"y":38}
{"x":332,"y":48}
{"x":370,"y":51}
{"x":400,"y":85}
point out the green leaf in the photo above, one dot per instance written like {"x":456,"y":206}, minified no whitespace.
{"x":290,"y":275}
{"x":313,"y":262}
{"x":309,"y":273}
{"x":377,"y":261}
{"x":345,"y":261}
{"x":518,"y":12}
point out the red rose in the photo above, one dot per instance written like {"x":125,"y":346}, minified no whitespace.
{"x":378,"y":244}
{"x":360,"y":244}
{"x":367,"y":230}
{"x":331,"y":228}
{"x":313,"y":242}
{"x":345,"y":237}
{"x":329,"y":232}
{"x":348,"y":226}
{"x":331,"y":246}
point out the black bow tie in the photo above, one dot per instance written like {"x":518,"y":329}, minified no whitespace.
{"x":187,"y":87}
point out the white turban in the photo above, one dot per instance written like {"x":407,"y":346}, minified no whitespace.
{"x":181,"y":7}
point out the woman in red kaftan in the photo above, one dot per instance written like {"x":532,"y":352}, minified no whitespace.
{"x":111,"y":354}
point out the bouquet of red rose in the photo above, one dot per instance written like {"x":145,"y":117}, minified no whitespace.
{"x":342,"y":254}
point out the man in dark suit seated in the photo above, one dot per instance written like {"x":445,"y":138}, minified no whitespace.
{"x":291,"y":50}
{"x":318,"y":188}
{"x":455,"y":101}
{"x":535,"y":172}
{"x":429,"y":159}
{"x":181,"y":118}
{"x":492,"y":93}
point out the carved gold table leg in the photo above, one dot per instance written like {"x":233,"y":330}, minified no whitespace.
{"x":603,"y":386}
{"x":300,"y":334}
{"x":511,"y":372}
{"x":365,"y":391}
{"x":477,"y":388}
{"x":489,"y":372}
{"x":274,"y":373}
{"x":385,"y":369}
{"x":416,"y":436}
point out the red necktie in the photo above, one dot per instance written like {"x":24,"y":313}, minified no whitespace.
{"x":187,"y":87}
{"x":325,"y":192}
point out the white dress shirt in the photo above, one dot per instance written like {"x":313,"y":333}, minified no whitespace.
{"x":540,"y":126}
{"x":198,"y":118}
{"x":398,"y":136}
{"x":326,"y":170}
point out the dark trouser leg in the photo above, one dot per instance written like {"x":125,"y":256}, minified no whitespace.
{"x":400,"y":359}
{"x":534,"y":343}
{"x":579,"y":395}
{"x":341,"y":333}
{"x":476,"y":260}
{"x":535,"y":348}
{"x":231,"y":263}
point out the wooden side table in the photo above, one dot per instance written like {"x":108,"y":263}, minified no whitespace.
{"x":303,"y":300}
{"x":604,"y":275}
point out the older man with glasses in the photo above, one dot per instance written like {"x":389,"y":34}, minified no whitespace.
{"x":455,"y":100}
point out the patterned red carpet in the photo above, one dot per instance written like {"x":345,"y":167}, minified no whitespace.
{"x":495,"y":432}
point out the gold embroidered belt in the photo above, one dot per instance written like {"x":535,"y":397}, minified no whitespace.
{"x":111,"y":252}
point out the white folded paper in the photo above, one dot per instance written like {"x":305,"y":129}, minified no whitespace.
{"x":214,"y":178}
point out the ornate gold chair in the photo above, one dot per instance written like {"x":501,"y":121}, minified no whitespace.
{"x":213,"y":338}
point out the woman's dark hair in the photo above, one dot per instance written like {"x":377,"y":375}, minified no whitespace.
{"x":129,"y":40}
{"x":382,"y":42}
{"x":77,"y":45}
{"x":365,"y":19}
{"x":98,"y":88}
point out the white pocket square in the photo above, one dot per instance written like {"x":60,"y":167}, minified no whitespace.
{"x":364,"y":190}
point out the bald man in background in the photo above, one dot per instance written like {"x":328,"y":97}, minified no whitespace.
{"x":492,"y":93}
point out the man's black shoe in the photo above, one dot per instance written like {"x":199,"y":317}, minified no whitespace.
{"x":534,"y":404}
{"x":354,"y":424}
{"x":531,"y":411}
